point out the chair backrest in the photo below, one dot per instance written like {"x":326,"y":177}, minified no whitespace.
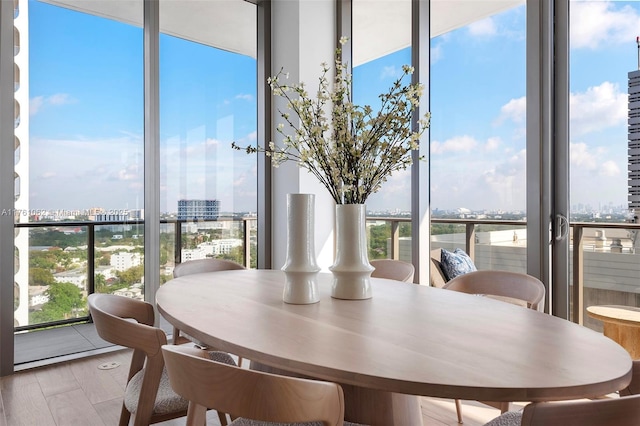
{"x":511,"y":286}
{"x":393,"y":269}
{"x":436,"y":276}
{"x":204,"y":265}
{"x":623,"y":411}
{"x":112,"y":316}
{"x":247,"y":393}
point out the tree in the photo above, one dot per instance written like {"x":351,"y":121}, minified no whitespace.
{"x":65,"y":301}
{"x":132,"y":275}
{"x":40,"y":276}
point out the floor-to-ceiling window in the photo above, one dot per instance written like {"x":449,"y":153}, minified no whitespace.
{"x":79,"y":151}
{"x":605,"y":77}
{"x":207,"y":101}
{"x":78,"y":163}
{"x":478,"y":138}
{"x":378,"y":57}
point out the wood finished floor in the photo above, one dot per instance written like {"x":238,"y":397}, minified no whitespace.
{"x":78,"y":393}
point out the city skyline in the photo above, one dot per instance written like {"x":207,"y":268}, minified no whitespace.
{"x":86,"y":140}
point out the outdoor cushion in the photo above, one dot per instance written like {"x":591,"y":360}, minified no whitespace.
{"x":456,"y":263}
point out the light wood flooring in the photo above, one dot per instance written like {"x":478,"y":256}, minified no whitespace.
{"x":77,"y":392}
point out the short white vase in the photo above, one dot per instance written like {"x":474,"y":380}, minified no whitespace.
{"x":351,"y":269}
{"x":301,"y":268}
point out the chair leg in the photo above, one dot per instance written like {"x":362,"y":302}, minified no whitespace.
{"x":504,"y":407}
{"x":459,"y":411}
{"x":223,"y":419}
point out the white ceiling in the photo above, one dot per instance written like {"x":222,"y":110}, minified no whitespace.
{"x":379,"y":26}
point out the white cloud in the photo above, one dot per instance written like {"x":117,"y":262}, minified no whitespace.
{"x":609,"y":168}
{"x":436,"y":53}
{"x":484,"y":27}
{"x":514,"y":110}
{"x":246,"y":97}
{"x":35,"y":104}
{"x":598,"y":108}
{"x":593,"y":161}
{"x":464,"y":144}
{"x":105,"y":172}
{"x":581,"y":157}
{"x":601,"y":24}
{"x":391,"y":71}
{"x":492,"y":144}
{"x":60,"y":99}
{"x":456,"y":144}
{"x":38,"y":102}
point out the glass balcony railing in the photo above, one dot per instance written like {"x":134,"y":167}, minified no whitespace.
{"x":108,"y":257}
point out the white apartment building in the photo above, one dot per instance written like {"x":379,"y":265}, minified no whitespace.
{"x":123,"y":261}
{"x":193,"y":254}
{"x":218,"y":247}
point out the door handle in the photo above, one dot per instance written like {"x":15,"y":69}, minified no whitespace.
{"x":562,"y":227}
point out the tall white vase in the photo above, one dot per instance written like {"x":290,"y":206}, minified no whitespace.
{"x":301,"y":268}
{"x":351,"y":269}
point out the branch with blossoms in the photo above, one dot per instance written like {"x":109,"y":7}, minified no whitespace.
{"x":353,"y":152}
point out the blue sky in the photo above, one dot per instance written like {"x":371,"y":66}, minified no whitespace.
{"x":86,"y":113}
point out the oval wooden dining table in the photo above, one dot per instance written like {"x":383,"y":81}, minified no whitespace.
{"x":407,"y":340}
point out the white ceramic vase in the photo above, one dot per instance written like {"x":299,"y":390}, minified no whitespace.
{"x":301,"y":268}
{"x":351,"y":269}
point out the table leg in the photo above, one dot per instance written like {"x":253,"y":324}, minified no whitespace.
{"x":379,"y":408}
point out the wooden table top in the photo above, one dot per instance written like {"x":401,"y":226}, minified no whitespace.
{"x":626,"y":315}
{"x":407,"y":338}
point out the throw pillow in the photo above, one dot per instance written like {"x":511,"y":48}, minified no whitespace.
{"x":456,"y":263}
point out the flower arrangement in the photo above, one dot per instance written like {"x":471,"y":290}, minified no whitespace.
{"x":354,"y":151}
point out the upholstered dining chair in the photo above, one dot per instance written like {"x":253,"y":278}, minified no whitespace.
{"x":601,"y":412}
{"x":623,"y":411}
{"x":393,"y":269}
{"x":129,"y":323}
{"x":254,"y":398}
{"x":204,"y":265}
{"x":197,"y":267}
{"x":511,"y":287}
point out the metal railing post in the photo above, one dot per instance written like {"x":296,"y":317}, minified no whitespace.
{"x":177,"y":249}
{"x":577,"y":299}
{"x":246,"y":243}
{"x":395,"y":240}
{"x":470,"y":240}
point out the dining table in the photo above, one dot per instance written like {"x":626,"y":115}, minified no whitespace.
{"x":406,"y":341}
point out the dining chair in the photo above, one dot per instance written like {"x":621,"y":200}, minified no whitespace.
{"x":197,"y":267}
{"x":622,"y":411}
{"x":204,"y":265}
{"x":511,"y":287}
{"x":130,"y":323}
{"x":254,"y":398}
{"x":393,"y":269}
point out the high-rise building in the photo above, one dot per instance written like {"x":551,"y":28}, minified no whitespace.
{"x":21,"y":158}
{"x":198,"y":209}
{"x":634,"y":140}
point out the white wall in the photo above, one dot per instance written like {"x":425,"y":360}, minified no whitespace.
{"x":303,"y":36}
